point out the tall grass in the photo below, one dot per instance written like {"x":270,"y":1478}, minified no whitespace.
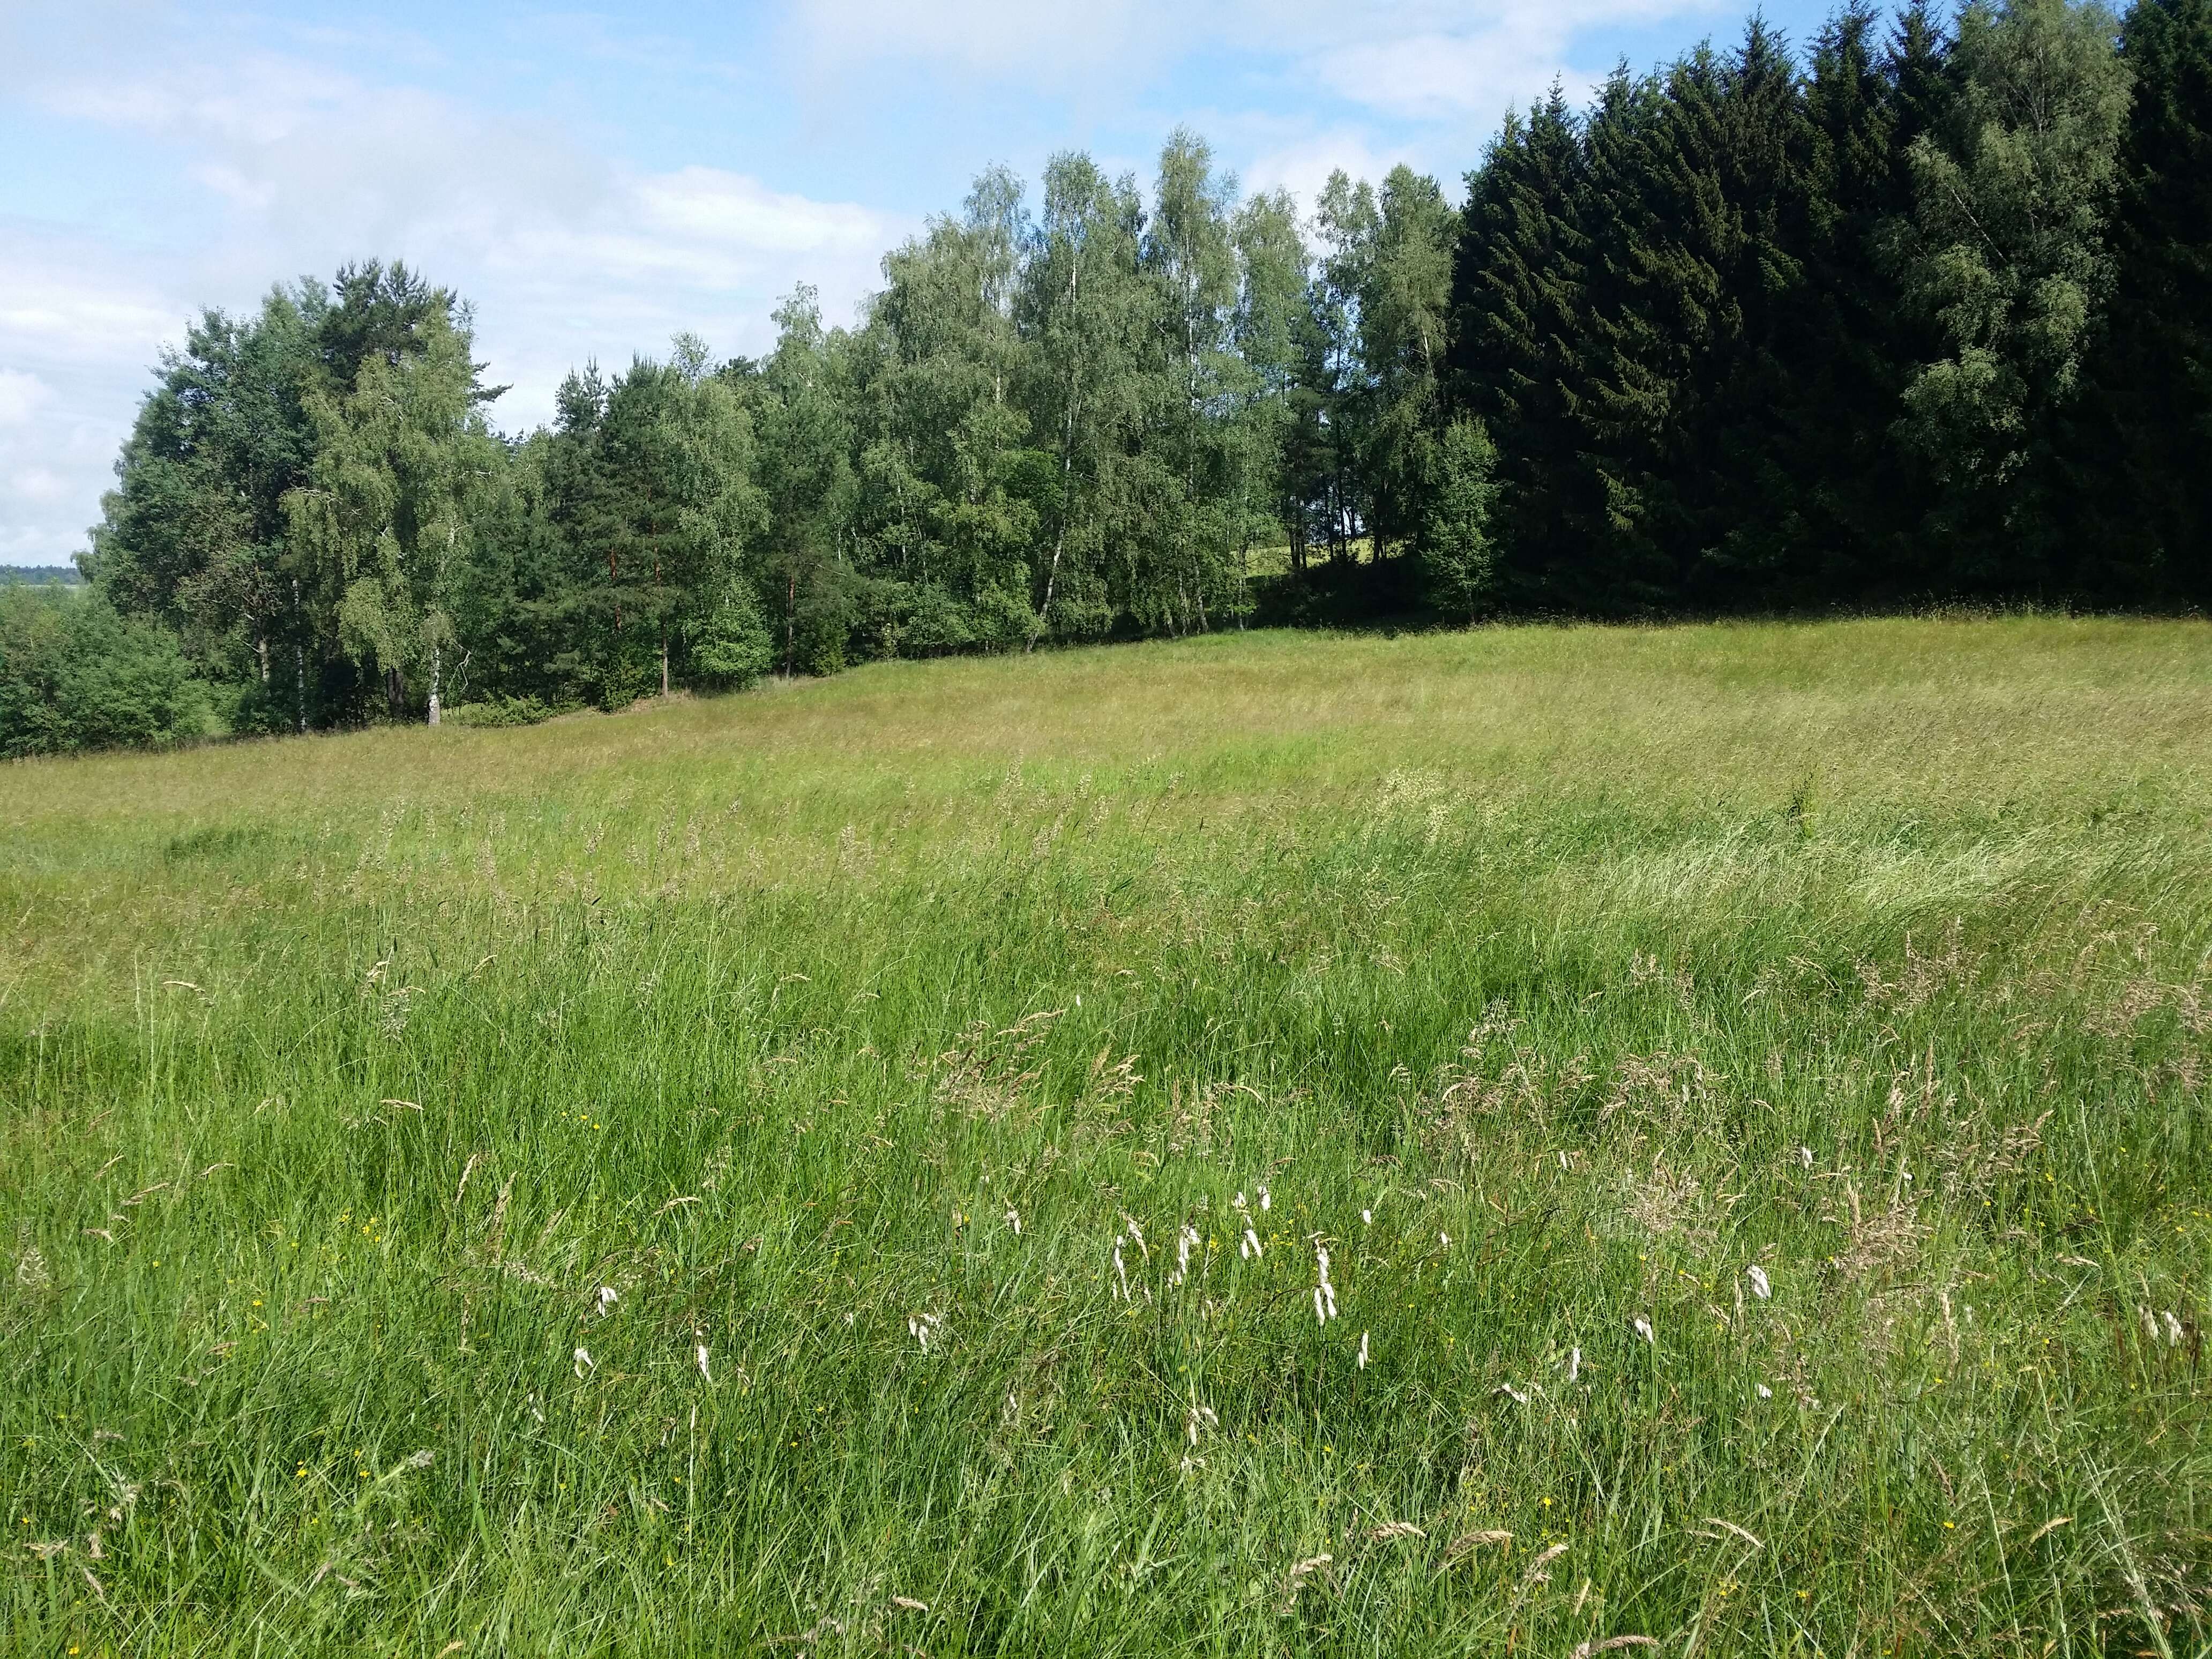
{"x":718,"y":1176}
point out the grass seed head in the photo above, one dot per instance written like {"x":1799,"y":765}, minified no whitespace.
{"x":1536,"y":1571}
{"x":1483,"y":1538}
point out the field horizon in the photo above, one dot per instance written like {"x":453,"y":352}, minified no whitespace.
{"x":1549,"y":1139}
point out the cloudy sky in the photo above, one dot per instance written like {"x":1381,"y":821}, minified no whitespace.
{"x":593,"y":182}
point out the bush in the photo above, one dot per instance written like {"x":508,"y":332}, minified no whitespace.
{"x":500,"y":711}
{"x":731,"y":647}
{"x":75,"y":675}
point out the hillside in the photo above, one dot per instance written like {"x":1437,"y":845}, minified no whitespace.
{"x":1478,"y":1142}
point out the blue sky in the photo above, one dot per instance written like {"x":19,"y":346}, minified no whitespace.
{"x":594,"y":181}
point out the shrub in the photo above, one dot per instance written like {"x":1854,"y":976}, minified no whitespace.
{"x":75,"y":675}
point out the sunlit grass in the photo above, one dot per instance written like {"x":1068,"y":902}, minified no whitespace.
{"x":1551,"y":980}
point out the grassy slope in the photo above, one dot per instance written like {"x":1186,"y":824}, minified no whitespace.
{"x":1599,"y":966}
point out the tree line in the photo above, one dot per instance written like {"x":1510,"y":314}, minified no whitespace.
{"x":1919,"y":313}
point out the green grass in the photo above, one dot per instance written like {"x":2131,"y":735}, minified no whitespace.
{"x":1600,"y":966}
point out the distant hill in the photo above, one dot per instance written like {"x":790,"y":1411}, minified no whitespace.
{"x":68,"y":575}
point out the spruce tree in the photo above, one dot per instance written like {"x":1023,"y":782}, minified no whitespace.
{"x":2141,"y":502}
{"x":1516,"y":300}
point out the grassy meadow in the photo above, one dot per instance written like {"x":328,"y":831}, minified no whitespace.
{"x":845,"y":1169}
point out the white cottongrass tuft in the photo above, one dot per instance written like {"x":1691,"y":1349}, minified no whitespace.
{"x":1324,"y":1292}
{"x":582,"y":1363}
{"x":699,"y":1353}
{"x":922,"y":1326}
{"x":608,"y":1296}
{"x":1248,"y":1248}
{"x":2173,"y":1328}
{"x":1574,"y":1364}
{"x":1512,"y":1392}
{"x":1198,"y":1419}
{"x":1761,"y":1286}
{"x":1014,"y":1221}
{"x":1119,"y":1288}
{"x":1367,"y":1218}
{"x":1266,"y":1198}
{"x":1642,"y":1326}
{"x":1362,"y":1351}
{"x":1763,"y":1391}
{"x":1805,"y":1156}
{"x":1444,"y":1239}
{"x":1187,"y":1240}
{"x":1137,"y":1235}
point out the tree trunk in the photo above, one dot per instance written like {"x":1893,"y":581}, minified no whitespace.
{"x":436,"y":662}
{"x":791,"y":624}
{"x":299,"y":659}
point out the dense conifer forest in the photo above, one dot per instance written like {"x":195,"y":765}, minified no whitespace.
{"x":1916,"y":311}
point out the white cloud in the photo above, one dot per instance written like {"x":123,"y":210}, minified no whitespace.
{"x":1057,"y":44}
{"x":21,"y":395}
{"x":288,"y":168}
{"x":1411,"y":59}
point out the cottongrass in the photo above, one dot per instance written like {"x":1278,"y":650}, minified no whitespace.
{"x":1187,"y":1239}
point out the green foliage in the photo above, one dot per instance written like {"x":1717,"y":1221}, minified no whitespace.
{"x":2008,"y":247}
{"x":1917,"y":316}
{"x":2138,"y":497}
{"x":75,"y":675}
{"x":1459,"y":549}
{"x":500,"y":711}
{"x":730,"y":646}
